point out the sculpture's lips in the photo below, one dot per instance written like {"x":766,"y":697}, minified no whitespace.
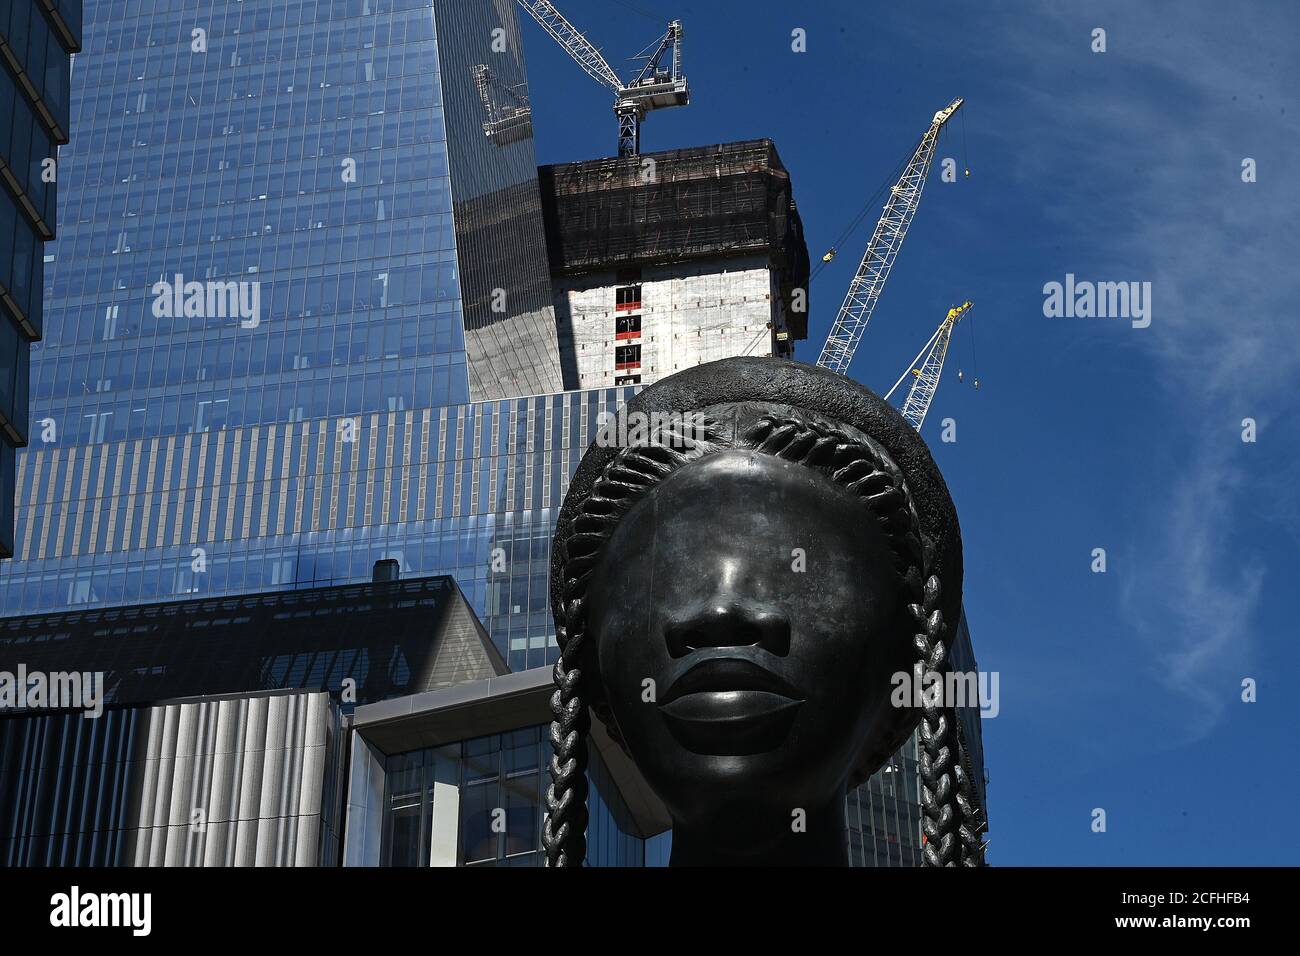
{"x":722,"y":674}
{"x":729,"y":707}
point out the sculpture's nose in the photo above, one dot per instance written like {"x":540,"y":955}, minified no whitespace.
{"x":729,"y":621}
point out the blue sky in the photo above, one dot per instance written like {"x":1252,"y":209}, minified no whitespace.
{"x":1119,"y":690}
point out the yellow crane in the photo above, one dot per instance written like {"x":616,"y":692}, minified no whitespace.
{"x":926,"y":368}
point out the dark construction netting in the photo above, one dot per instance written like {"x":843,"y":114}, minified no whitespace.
{"x":671,"y":206}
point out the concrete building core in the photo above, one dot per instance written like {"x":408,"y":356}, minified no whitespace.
{"x":672,"y":259}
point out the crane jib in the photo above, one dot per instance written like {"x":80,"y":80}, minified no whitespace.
{"x":882,"y":250}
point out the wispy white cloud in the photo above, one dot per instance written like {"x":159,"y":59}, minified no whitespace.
{"x":1158,"y":131}
{"x":1190,"y":598}
{"x":1222,"y":260}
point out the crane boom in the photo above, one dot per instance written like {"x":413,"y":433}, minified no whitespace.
{"x":574,"y":42}
{"x":651,"y":89}
{"x":864,"y":291}
{"x":926,"y":371}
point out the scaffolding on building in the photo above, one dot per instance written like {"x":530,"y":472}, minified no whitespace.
{"x":729,"y":199}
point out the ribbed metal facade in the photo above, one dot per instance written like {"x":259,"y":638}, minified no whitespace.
{"x":246,"y":781}
{"x":471,"y":490}
{"x":299,"y":477}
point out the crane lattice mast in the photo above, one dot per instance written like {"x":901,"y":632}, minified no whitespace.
{"x":864,"y":291}
{"x":927,"y":367}
{"x":651,"y":89}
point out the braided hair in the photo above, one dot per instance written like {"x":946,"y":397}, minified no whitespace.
{"x":851,"y":459}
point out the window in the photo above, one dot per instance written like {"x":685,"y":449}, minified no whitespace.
{"x":627,"y":298}
{"x":408,"y":810}
{"x":627,"y":380}
{"x":627,"y":356}
{"x":501,"y":799}
{"x":627,"y":326}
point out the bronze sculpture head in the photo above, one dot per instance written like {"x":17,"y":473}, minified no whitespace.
{"x":733,"y":594}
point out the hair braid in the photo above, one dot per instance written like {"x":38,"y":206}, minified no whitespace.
{"x":564,"y":834}
{"x":938,"y":793}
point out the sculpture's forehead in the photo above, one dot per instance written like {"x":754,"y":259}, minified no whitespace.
{"x":707,"y":493}
{"x":725,"y":469}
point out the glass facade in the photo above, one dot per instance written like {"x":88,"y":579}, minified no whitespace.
{"x":505,"y":279}
{"x":295,"y":150}
{"x":36,"y":42}
{"x":884,"y":814}
{"x":970,"y":719}
{"x":500,"y":797}
{"x":255,"y":370}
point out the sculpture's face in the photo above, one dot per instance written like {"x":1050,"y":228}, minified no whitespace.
{"x":760,"y":599}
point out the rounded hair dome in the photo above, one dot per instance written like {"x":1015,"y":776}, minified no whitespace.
{"x":818,"y":390}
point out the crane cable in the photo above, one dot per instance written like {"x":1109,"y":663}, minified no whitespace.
{"x":638,"y":11}
{"x":875,"y":196}
{"x":975,"y":365}
{"x":965,"y":154}
{"x":852,"y":227}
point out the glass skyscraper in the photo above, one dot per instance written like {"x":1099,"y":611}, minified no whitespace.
{"x":37,"y":37}
{"x":300,"y":317}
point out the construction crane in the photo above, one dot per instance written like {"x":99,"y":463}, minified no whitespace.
{"x":509,"y":116}
{"x":864,"y":291}
{"x":926,"y":368}
{"x":652,"y":89}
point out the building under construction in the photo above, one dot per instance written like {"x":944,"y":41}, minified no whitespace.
{"x":667,"y":260}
